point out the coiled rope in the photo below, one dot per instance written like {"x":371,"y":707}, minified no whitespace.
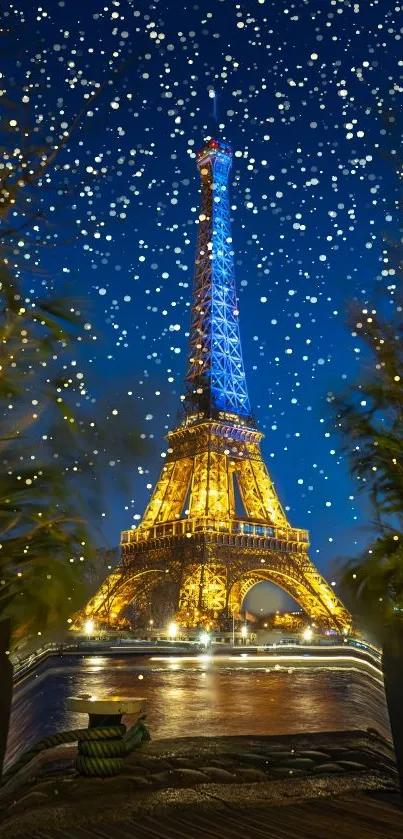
{"x":100,"y":750}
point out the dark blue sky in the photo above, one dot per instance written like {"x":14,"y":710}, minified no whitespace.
{"x":300,"y":86}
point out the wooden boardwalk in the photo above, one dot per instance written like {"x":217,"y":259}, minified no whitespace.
{"x":354,"y":817}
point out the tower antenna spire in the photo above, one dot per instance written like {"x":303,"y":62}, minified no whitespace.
{"x":214,"y":96}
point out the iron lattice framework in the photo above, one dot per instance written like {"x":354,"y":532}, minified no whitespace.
{"x":215,"y":379}
{"x":214,"y":525}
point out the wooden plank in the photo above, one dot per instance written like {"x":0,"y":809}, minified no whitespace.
{"x":361,"y":817}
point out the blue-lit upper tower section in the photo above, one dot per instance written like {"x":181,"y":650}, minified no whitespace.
{"x":215,"y":378}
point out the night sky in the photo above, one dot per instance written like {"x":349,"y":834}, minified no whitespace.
{"x":300,"y":86}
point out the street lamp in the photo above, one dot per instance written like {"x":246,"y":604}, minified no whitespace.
{"x":172,"y":631}
{"x":307,"y":634}
{"x":244,"y":632}
{"x":205,"y":639}
{"x":89,"y":627}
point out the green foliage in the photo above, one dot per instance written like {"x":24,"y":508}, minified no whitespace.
{"x":53,"y":456}
{"x":369,"y":414}
{"x":369,"y":417}
{"x":372,"y":585}
{"x":57,"y":450}
{"x":42,"y":532}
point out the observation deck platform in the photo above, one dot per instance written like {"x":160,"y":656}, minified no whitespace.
{"x":189,"y":528}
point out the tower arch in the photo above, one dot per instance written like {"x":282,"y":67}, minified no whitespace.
{"x":298,"y":589}
{"x":119,"y":590}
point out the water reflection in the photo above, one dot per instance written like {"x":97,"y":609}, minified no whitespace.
{"x":200,"y":697}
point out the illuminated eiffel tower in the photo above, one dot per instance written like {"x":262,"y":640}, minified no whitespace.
{"x":194,"y":551}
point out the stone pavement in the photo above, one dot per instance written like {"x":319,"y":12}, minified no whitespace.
{"x":221,"y":787}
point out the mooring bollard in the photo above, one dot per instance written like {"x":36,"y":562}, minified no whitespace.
{"x":102,"y":746}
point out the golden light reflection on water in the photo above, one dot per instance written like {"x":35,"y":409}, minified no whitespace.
{"x":98,"y":660}
{"x":203,"y":696}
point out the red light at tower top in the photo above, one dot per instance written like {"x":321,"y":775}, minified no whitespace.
{"x":215,"y":145}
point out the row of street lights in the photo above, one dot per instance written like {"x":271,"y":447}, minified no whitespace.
{"x":205,"y":638}
{"x":173,"y":631}
{"x":89,"y":627}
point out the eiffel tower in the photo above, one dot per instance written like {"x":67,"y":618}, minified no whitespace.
{"x":195,"y":551}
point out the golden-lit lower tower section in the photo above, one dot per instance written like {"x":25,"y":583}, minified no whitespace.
{"x":214,"y":525}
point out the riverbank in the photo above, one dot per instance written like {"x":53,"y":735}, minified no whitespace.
{"x":303,"y":655}
{"x":182,"y":780}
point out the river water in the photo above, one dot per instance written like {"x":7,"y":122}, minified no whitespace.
{"x":199,"y":697}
